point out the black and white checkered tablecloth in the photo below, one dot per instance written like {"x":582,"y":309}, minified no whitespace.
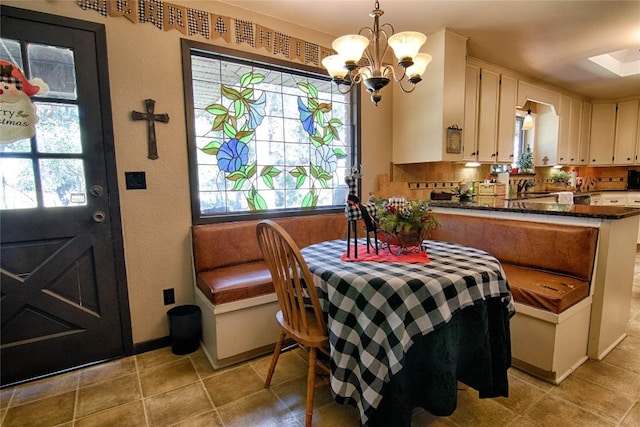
{"x":375,"y":309}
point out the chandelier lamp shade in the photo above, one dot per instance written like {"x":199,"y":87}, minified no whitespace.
{"x":527,"y":123}
{"x":348,"y":67}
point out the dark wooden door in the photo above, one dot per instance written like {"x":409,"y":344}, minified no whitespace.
{"x":63,"y":287}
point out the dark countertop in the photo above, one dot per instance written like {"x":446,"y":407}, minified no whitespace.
{"x":530,"y":207}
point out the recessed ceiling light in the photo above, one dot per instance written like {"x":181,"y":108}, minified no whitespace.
{"x":624,"y":62}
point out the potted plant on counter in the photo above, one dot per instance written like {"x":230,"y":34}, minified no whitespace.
{"x":404,"y":224}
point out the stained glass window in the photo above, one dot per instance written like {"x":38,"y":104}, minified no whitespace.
{"x":266,"y":138}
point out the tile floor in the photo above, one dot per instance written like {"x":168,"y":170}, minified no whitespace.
{"x":159,"y":388}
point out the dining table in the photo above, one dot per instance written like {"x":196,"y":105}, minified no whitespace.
{"x":406,"y":334}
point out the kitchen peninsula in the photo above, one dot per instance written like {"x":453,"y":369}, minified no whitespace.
{"x":603,"y":314}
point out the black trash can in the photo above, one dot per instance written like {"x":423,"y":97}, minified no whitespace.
{"x":185,"y":328}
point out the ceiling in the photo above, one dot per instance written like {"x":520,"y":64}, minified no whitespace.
{"x":549,"y":41}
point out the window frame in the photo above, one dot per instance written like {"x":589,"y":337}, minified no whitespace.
{"x":188,"y":48}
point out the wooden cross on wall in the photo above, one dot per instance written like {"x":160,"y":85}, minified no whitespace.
{"x":151,"y":118}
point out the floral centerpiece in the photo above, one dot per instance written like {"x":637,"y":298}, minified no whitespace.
{"x":405,"y":223}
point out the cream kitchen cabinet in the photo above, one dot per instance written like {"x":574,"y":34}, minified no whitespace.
{"x":470,"y":127}
{"x":585,"y":135}
{"x":603,"y":127}
{"x":570,"y":131}
{"x":421,"y":118}
{"x":490,"y":114}
{"x":626,"y":133}
{"x":507,"y":118}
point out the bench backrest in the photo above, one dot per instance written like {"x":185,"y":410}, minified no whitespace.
{"x":564,"y":249}
{"x":232,"y":243}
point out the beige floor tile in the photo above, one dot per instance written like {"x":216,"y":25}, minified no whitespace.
{"x":609,"y":404}
{"x":554,"y":412}
{"x":168,"y":376}
{"x":624,"y":359}
{"x":107,"y":394}
{"x":108,"y":371}
{"x":128,"y":415}
{"x":208,"y":419}
{"x":530,"y":379}
{"x":156,"y":357}
{"x":49,"y":411}
{"x":422,"y":418}
{"x":334,"y":415}
{"x":611,"y":377}
{"x":522,"y":396}
{"x":630,"y":343}
{"x":290,"y":365}
{"x":262,"y":409}
{"x":46,"y":387}
{"x":201,"y":363}
{"x":233,"y":384}
{"x":5,"y":396}
{"x":472,"y":411}
{"x":177,"y":405}
{"x":633,"y":327}
{"x":633,"y":417}
{"x":523,"y":422}
{"x":293,"y":394}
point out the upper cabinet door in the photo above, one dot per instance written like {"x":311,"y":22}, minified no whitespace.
{"x":507,"y":118}
{"x":626,"y":133}
{"x":603,"y":127}
{"x":470,"y":127}
{"x":488,"y":116}
{"x":585,"y":135}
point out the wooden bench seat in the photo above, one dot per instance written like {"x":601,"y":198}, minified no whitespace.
{"x":547,"y":291}
{"x":539,"y":256}
{"x":550,"y":268}
{"x":233,"y":284}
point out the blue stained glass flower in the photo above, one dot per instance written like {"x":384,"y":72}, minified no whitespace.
{"x":326,"y":159}
{"x":232,"y":155}
{"x":306,"y":117}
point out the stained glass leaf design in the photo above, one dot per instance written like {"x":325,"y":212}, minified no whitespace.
{"x":339,"y":153}
{"x":229,"y":130}
{"x":251,"y":170}
{"x":216,"y":109}
{"x":268,"y":173}
{"x":311,"y":199}
{"x":230,"y":93}
{"x":211,"y":148}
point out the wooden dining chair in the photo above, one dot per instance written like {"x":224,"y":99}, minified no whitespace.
{"x":300,"y":315}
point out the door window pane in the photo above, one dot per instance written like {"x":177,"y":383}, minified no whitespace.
{"x":63,"y":182}
{"x":10,"y":51}
{"x":54,"y":65}
{"x":20,"y":146}
{"x":58,"y":130}
{"x":17,"y":184}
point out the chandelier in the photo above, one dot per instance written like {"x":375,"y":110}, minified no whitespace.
{"x":347,"y":67}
